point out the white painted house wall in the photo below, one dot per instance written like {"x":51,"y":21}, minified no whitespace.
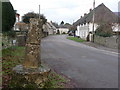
{"x":53,"y":27}
{"x":16,"y":27}
{"x":91,"y":27}
{"x":83,"y":30}
{"x":62,"y":30}
{"x":116,"y":28}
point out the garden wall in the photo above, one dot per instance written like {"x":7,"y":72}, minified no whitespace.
{"x":111,"y":42}
{"x":6,"y":41}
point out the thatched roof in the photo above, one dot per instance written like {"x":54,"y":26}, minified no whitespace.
{"x":62,"y":26}
{"x":55,"y":24}
{"x":117,"y":13}
{"x":102,"y":14}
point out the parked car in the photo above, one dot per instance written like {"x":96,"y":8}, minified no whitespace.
{"x":70,"y":33}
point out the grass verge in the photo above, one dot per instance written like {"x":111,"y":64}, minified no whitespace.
{"x":76,"y":39}
{"x":14,"y":56}
{"x":10,"y":58}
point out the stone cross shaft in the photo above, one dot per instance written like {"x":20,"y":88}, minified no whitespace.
{"x":32,"y":55}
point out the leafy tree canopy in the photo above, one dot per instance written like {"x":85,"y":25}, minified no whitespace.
{"x":73,"y":28}
{"x":104,"y":30}
{"x":62,"y":22}
{"x":8,"y":16}
{"x":67,"y":24}
{"x":27,"y":16}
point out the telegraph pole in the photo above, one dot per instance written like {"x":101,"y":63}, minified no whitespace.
{"x":39,"y":11}
{"x":93,"y":18}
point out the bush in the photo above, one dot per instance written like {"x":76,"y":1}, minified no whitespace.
{"x":10,"y":34}
{"x":63,"y":33}
{"x":104,"y":30}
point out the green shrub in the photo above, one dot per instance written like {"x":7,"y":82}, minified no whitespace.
{"x":104,"y":30}
{"x":11,"y":34}
{"x":63,"y":33}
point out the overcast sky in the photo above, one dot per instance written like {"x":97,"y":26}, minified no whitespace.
{"x":61,"y":10}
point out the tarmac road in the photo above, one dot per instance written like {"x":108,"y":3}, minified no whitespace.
{"x":89,"y":67}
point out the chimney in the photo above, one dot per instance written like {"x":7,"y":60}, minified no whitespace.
{"x":85,"y":14}
{"x":81,"y":17}
{"x":90,"y":10}
{"x":18,"y":17}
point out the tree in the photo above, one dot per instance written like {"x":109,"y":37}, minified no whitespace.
{"x":104,"y":30}
{"x":62,"y":22}
{"x":0,"y":17}
{"x":27,"y":16}
{"x":67,"y":24}
{"x":8,"y":16}
{"x":73,"y":30}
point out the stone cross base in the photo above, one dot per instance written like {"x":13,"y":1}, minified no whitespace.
{"x":37,"y":76}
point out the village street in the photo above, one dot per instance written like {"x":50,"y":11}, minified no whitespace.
{"x":89,"y":67}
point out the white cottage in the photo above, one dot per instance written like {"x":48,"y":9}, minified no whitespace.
{"x":49,"y":28}
{"x":63,"y":29}
{"x":85,"y":24}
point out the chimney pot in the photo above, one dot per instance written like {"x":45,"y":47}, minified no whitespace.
{"x":90,"y":10}
{"x":85,"y":14}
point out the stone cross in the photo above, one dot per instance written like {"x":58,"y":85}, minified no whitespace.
{"x":32,"y":70}
{"x":32,"y":55}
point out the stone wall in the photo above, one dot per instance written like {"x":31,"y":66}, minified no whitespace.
{"x":6,"y":41}
{"x":21,"y":40}
{"x":111,"y":42}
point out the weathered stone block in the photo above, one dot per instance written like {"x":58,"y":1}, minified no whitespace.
{"x":21,"y":39}
{"x":32,"y":57}
{"x":35,"y":31}
{"x":34,"y":36}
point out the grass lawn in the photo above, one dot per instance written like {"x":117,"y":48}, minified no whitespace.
{"x":76,"y":39}
{"x":14,"y":56}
